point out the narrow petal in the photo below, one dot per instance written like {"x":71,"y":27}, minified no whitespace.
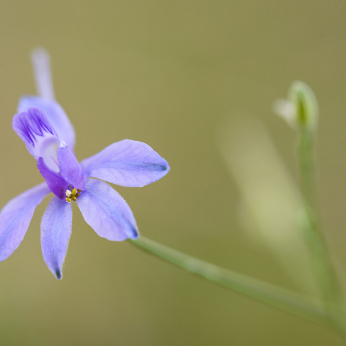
{"x":126,"y":163}
{"x":54,"y":180}
{"x":56,"y":228}
{"x":55,"y":114}
{"x":70,"y":168}
{"x":15,"y":218}
{"x":43,"y":76}
{"x":107,"y":212}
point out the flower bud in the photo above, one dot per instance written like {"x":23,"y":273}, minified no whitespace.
{"x":300,"y":110}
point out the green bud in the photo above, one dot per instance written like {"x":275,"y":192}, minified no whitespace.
{"x":305,"y":105}
{"x":300,"y":110}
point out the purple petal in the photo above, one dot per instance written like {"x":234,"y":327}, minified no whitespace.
{"x":15,"y":218}
{"x":31,"y":125}
{"x":55,"y":114}
{"x":38,"y":134}
{"x":126,"y":163}
{"x":107,"y":212}
{"x":54,"y":180}
{"x":56,"y":227}
{"x":70,"y":168}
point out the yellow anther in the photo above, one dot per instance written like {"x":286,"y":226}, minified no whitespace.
{"x":72,"y":195}
{"x":79,"y":191}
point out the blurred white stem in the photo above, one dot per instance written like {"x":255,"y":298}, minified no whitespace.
{"x":42,"y":72}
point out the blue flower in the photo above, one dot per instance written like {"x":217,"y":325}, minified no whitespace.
{"x":49,"y":137}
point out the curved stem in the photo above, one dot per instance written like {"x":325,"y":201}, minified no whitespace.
{"x":324,"y":269}
{"x":277,"y":297}
{"x":322,"y":265}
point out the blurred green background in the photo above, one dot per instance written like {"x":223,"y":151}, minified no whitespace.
{"x":176,"y":75}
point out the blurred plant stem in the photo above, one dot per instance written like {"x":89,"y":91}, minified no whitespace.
{"x":256,"y":289}
{"x":322,"y":264}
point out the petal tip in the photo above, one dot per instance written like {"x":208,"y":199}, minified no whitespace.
{"x":58,"y":274}
{"x":135,"y":233}
{"x":163,"y":168}
{"x":166,"y":167}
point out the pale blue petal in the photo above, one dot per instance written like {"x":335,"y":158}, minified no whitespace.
{"x":42,"y":71}
{"x":56,"y":227}
{"x":126,"y":163}
{"x":15,"y":218}
{"x":70,"y":168}
{"x":107,"y":212}
{"x":55,"y":114}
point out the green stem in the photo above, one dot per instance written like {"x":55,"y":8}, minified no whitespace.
{"x":279,"y":298}
{"x":323,"y":269}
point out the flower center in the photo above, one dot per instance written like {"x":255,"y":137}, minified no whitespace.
{"x":72,"y":195}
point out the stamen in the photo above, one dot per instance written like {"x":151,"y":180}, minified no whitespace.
{"x":72,"y":195}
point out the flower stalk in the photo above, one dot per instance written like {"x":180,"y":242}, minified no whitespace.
{"x":322,"y":264}
{"x":283,"y":299}
{"x":303,"y":117}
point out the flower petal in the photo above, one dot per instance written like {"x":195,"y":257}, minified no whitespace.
{"x":107,"y":212}
{"x":55,"y":114}
{"x":54,"y":180}
{"x":42,"y":71}
{"x":70,"y":168}
{"x":56,"y":228}
{"x":15,"y":218}
{"x":126,"y":163}
{"x":38,"y":134}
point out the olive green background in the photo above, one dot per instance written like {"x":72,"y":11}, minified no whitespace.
{"x":170,"y":74}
